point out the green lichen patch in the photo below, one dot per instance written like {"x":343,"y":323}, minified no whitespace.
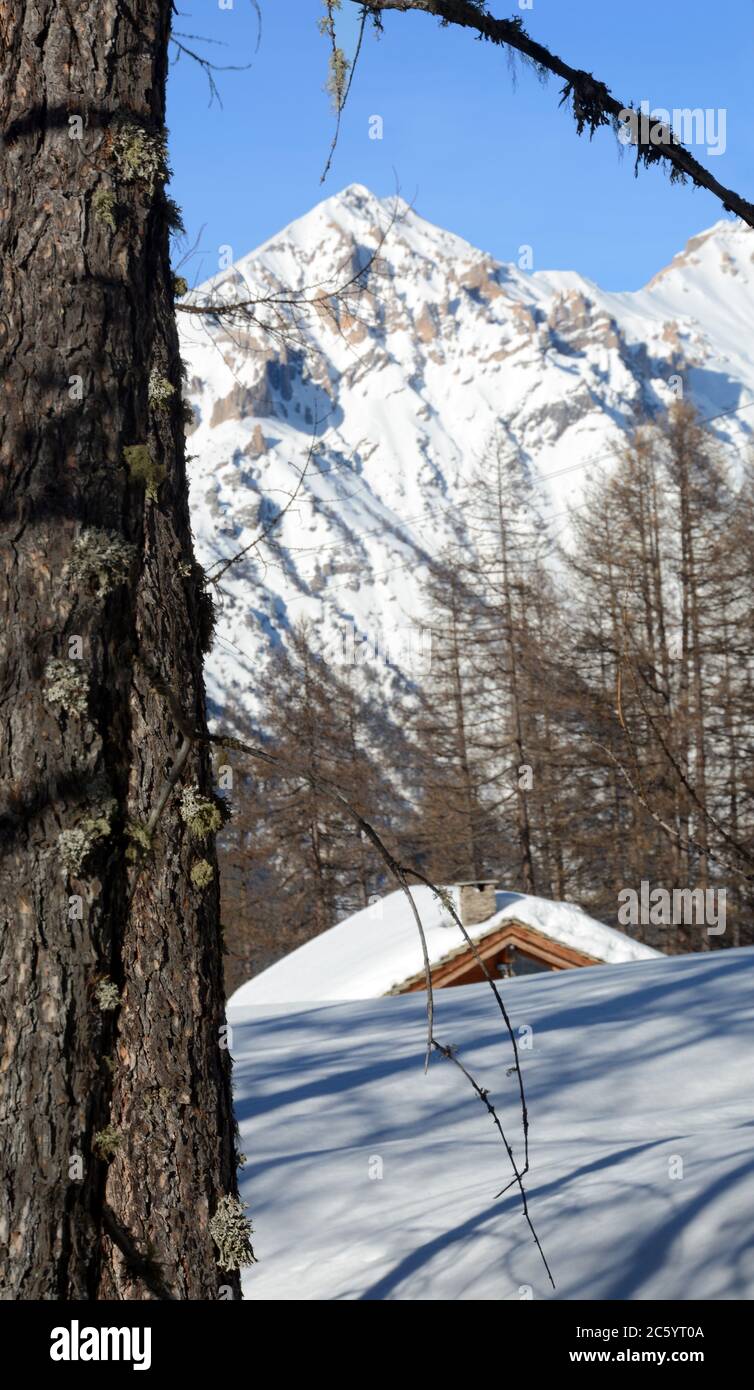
{"x":231,"y":1231}
{"x":75,"y":845}
{"x":66,"y":684}
{"x":338,"y":66}
{"x":155,"y":1102}
{"x":73,"y":848}
{"x":159,"y":390}
{"x":144,"y":469}
{"x":202,"y":873}
{"x":101,"y":560}
{"x":141,"y":156}
{"x":104,"y":204}
{"x":202,"y":816}
{"x":140,"y":833}
{"x":140,"y":837}
{"x":106,"y":1142}
{"x":107,"y":995}
{"x":337,"y":74}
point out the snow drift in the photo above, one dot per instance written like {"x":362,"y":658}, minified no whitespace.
{"x":369,"y":1180}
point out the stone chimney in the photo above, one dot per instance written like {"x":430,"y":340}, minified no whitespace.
{"x":476,"y":901}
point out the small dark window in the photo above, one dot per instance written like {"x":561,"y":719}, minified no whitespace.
{"x":515,"y":963}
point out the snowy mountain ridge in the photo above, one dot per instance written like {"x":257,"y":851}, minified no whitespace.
{"x":371,"y":418}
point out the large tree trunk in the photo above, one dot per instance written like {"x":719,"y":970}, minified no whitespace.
{"x":88,"y":745}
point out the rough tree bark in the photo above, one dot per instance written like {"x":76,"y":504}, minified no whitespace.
{"x":96,"y":552}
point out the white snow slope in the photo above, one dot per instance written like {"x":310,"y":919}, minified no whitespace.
{"x":369,"y":952}
{"x":399,"y":398}
{"x":641,"y":1099}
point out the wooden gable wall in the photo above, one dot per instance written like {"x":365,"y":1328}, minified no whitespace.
{"x":461,"y":968}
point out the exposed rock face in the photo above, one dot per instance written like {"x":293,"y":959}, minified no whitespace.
{"x":239,"y":403}
{"x":257,"y":444}
{"x":377,"y":406}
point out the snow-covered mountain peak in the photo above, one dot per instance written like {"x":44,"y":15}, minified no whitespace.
{"x":317,"y":248}
{"x":726,"y":248}
{"x":349,"y":439}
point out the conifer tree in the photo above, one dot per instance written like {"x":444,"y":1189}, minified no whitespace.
{"x":455,"y":826}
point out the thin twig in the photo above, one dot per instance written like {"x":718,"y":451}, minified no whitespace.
{"x":445,"y":898}
{"x":517,"y":1180}
{"x":680,"y":774}
{"x":684,"y":843}
{"x":223,"y":565}
{"x":342,"y":103}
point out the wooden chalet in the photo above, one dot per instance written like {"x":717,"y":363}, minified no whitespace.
{"x":510,"y":948}
{"x":377,"y":952}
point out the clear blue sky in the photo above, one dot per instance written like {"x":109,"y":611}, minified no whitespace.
{"x":477,"y":150}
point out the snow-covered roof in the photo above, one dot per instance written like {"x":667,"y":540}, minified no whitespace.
{"x":630,"y":1074}
{"x":376,"y":949}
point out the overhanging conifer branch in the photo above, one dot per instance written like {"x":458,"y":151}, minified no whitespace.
{"x":591,"y":102}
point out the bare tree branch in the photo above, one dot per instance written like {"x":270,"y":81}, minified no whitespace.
{"x":635,"y":787}
{"x":342,"y":99}
{"x":209,"y":68}
{"x":484,"y":1096}
{"x":688,"y":787}
{"x":223,"y":565}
